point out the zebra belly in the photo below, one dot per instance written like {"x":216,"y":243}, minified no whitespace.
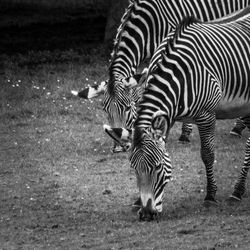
{"x":232,"y":109}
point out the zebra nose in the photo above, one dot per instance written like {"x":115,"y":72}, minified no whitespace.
{"x":147,"y":213}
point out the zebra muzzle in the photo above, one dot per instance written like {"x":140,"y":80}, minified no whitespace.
{"x":147,"y":213}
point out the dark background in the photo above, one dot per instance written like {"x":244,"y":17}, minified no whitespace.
{"x":31,"y":25}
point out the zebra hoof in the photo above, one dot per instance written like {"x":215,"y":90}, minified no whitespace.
{"x":233,"y":199}
{"x":210,"y":203}
{"x":236,"y":132}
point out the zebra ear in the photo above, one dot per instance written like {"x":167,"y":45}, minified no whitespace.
{"x":120,"y":135}
{"x":160,"y":124}
{"x":91,"y":91}
{"x":136,"y":80}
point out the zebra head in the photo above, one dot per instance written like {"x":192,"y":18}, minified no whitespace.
{"x":150,"y":162}
{"x":121,"y":97}
{"x":152,"y":165}
{"x":119,"y":103}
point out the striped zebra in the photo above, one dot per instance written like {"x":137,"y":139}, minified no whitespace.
{"x":143,"y":27}
{"x":203,"y":75}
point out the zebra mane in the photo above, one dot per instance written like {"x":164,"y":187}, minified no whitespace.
{"x":120,"y":29}
{"x":180,"y":29}
{"x":169,"y":46}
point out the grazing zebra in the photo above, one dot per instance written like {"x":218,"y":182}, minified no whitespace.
{"x":143,"y":27}
{"x":203,"y":75}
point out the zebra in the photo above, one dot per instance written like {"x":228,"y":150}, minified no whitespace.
{"x":203,"y":75}
{"x":144,"y":25}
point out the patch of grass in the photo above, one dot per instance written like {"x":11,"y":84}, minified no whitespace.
{"x":63,"y":189}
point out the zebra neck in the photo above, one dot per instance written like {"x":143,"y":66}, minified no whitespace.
{"x":121,"y":70}
{"x":148,"y":108}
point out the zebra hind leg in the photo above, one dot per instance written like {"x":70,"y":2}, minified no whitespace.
{"x":240,"y":186}
{"x":186,"y":131}
{"x":206,"y":128}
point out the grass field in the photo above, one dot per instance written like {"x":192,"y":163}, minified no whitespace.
{"x":61,"y":188}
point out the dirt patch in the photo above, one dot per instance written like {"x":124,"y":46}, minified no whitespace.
{"x":61,"y":188}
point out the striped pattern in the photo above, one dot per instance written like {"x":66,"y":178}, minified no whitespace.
{"x":204,"y":74}
{"x":122,"y":105}
{"x":144,"y":25}
{"x":141,"y":160}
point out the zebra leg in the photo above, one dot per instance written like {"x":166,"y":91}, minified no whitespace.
{"x":186,"y":131}
{"x":240,"y":186}
{"x":206,"y":127}
{"x":238,"y":128}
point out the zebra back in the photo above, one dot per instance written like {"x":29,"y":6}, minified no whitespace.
{"x":200,"y":62}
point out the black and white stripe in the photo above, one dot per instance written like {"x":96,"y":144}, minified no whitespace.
{"x":203,"y":75}
{"x":144,"y":25}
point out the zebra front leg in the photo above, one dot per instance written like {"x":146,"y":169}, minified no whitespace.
{"x":240,"y":186}
{"x":206,"y":128}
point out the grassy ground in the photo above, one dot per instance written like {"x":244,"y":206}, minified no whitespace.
{"x":61,"y":188}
